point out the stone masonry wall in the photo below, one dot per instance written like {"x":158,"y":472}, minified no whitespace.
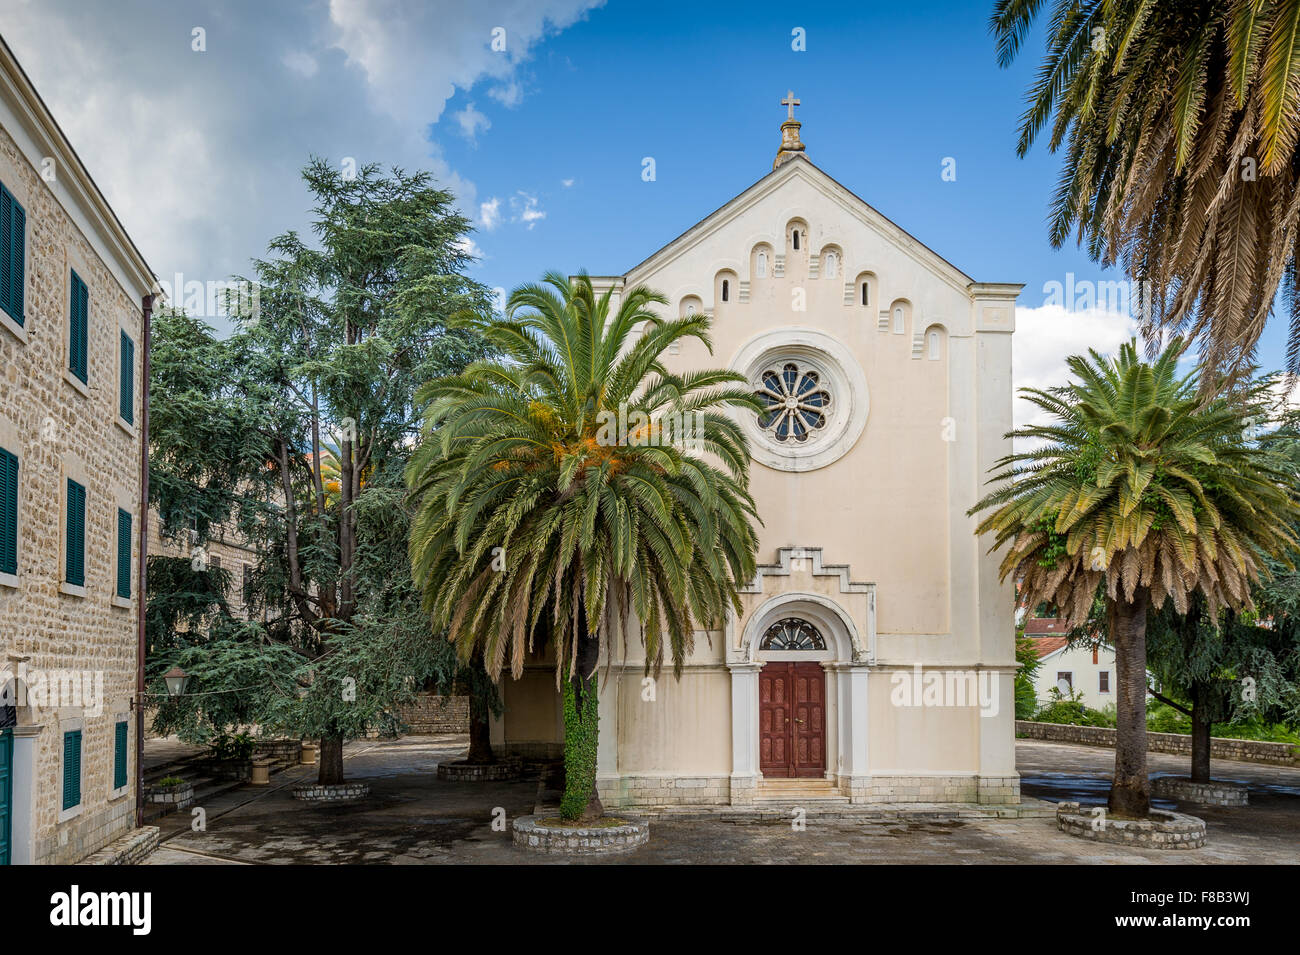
{"x":59,"y":429}
{"x":431,"y":713}
{"x":1245,"y":750}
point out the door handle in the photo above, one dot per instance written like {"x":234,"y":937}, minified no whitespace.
{"x":797,"y":720}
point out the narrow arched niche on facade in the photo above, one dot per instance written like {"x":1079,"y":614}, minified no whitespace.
{"x":900,"y":316}
{"x":690,"y":305}
{"x":725,"y":283}
{"x":832,"y":262}
{"x":760,"y":261}
{"x":936,"y":342}
{"x":796,"y":237}
{"x":864,"y":293}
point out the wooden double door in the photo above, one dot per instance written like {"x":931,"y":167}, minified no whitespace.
{"x":792,"y":719}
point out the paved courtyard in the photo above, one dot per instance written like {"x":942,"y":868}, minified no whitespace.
{"x":412,"y":818}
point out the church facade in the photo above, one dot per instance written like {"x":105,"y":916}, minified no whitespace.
{"x":873,"y":659}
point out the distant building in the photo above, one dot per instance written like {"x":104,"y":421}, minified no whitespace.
{"x":74,"y":300}
{"x":1088,"y":670}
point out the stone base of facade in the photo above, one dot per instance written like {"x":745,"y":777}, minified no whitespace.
{"x":130,"y":849}
{"x":617,"y":791}
{"x":343,"y":792}
{"x":579,"y":840}
{"x":1163,"y":830}
{"x":654,"y":791}
{"x":984,"y":790}
{"x":1216,"y":792}
{"x":463,"y":771}
{"x":87,"y":833}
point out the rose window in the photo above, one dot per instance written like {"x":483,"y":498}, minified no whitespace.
{"x":794,"y":403}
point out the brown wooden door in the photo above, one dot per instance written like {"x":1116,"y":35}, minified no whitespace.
{"x":792,"y":719}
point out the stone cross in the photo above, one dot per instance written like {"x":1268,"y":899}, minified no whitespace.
{"x":791,"y":102}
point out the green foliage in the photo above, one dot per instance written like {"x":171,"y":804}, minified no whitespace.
{"x":168,"y":782}
{"x":236,"y":746}
{"x":1137,"y":482}
{"x":293,"y":434}
{"x":534,"y":517}
{"x":581,"y":735}
{"x":1069,"y":709}
{"x":1026,"y":696}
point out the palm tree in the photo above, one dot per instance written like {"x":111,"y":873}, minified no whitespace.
{"x":1181,"y":121}
{"x":573,"y":482}
{"x":1139,"y":486}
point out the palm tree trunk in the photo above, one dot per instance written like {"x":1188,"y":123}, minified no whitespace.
{"x":1200,"y":734}
{"x":581,"y":802}
{"x":480,"y":729}
{"x":1130,"y":791}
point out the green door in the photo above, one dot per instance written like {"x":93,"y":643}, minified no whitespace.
{"x":6,"y":791}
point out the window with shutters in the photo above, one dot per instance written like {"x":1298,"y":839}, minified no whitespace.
{"x":75,"y":535}
{"x":126,"y":380}
{"x":8,"y":512}
{"x":79,"y":329}
{"x":13,"y":255}
{"x":123,"y":553}
{"x":71,"y":769}
{"x":120,"y":738}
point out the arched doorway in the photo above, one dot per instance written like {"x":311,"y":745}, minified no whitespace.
{"x":792,"y":701}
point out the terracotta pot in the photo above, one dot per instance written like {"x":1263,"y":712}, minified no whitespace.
{"x":309,"y":754}
{"x":261,"y":772}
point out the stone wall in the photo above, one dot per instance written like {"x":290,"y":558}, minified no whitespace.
{"x":60,"y":428}
{"x":1244,"y":750}
{"x":431,"y":713}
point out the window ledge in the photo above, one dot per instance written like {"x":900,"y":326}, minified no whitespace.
{"x":76,"y":383}
{"x":119,"y":793}
{"x":72,"y":590}
{"x":123,"y":602}
{"x":66,"y":814}
{"x":128,"y":428}
{"x":9,"y":580}
{"x":12,"y":327}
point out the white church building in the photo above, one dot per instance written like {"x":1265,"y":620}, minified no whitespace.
{"x":874,"y":657}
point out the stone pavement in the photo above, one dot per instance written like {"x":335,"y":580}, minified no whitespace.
{"x":413,"y":818}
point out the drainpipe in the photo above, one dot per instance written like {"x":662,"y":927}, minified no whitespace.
{"x":146,"y":315}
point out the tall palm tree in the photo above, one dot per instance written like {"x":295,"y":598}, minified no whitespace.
{"x":575,"y":481}
{"x":1182,"y":125}
{"x":1143,"y":488}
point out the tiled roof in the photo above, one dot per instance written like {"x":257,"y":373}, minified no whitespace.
{"x":1045,"y":645}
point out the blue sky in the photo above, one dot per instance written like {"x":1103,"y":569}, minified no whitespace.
{"x":198,"y":150}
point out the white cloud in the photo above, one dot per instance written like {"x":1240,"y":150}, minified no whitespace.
{"x":489,"y":213}
{"x":508,"y":94}
{"x":471,"y":121}
{"x":199,"y":153}
{"x":1047,"y":335}
{"x":304,"y":64}
{"x":567,"y":183}
{"x":469,"y":247}
{"x":525,"y":209}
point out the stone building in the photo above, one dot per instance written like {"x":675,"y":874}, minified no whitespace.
{"x":74,"y":299}
{"x":874,"y":658}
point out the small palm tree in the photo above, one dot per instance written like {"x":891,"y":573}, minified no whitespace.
{"x":573,"y":482}
{"x":1142,"y":488}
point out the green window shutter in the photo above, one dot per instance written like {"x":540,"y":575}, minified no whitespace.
{"x":13,"y":249}
{"x":76,"y":535}
{"x":71,"y":769}
{"x":78,"y":329}
{"x":123,"y":553}
{"x":119,"y":755}
{"x":127,"y":398}
{"x":8,"y":513}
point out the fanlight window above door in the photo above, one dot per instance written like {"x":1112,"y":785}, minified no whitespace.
{"x":792,"y":634}
{"x":794,"y":402}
